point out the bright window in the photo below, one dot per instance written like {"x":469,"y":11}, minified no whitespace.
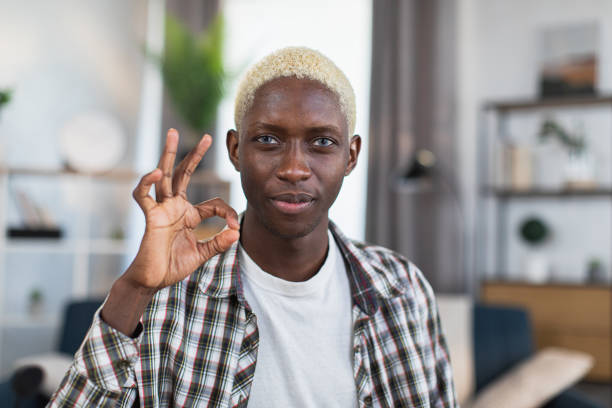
{"x":341,"y":30}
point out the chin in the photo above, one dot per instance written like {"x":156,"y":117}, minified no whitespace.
{"x":290,"y":227}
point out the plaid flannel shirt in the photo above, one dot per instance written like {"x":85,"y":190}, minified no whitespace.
{"x":199,"y":339}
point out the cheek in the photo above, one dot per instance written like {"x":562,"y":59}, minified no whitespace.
{"x":254,"y":174}
{"x":332,"y":176}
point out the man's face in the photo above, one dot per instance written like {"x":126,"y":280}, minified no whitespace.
{"x":292,"y":153}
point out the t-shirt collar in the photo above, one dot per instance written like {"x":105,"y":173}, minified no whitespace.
{"x":369,"y":279}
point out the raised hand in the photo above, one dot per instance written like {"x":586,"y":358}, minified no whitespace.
{"x":169,"y":250}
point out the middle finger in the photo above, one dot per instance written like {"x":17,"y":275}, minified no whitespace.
{"x":163,"y":188}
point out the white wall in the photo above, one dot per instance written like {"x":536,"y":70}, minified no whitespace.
{"x":498,"y":59}
{"x":63,"y":58}
{"x":341,"y":30}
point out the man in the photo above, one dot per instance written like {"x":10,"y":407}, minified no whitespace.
{"x":282,"y":309}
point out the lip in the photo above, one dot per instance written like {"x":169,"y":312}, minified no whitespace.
{"x":292,"y":203}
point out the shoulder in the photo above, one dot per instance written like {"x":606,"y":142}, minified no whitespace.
{"x":394,"y":267}
{"x":173,"y":304}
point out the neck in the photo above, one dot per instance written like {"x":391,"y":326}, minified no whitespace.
{"x":293,"y":259}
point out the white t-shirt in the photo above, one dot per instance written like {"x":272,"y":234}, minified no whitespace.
{"x":305,"y":336}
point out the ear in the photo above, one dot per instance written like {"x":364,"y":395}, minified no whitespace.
{"x":231,"y":142}
{"x":354,"y":149}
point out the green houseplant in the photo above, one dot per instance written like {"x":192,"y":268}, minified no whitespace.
{"x":5,"y":97}
{"x":35,"y":302}
{"x":535,"y":232}
{"x":580,"y":166}
{"x":194,"y":74}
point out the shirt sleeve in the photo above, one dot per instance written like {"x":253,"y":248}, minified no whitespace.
{"x":102,"y":373}
{"x":442,"y":388}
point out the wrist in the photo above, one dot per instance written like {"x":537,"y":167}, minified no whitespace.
{"x":127,"y":285}
{"x":125,"y":305}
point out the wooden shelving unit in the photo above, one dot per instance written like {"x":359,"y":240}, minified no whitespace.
{"x":547,"y":193}
{"x":573,"y":101}
{"x":498,"y":200}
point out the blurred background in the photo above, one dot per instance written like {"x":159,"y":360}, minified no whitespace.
{"x":486,"y":160}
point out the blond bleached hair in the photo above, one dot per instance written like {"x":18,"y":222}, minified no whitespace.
{"x":302,"y":63}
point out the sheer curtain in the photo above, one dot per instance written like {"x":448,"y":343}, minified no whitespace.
{"x":412,"y":107}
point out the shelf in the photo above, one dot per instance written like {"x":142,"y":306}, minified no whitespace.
{"x":95,"y":246}
{"x":548,"y":284}
{"x":107,"y":246}
{"x":126,"y":175}
{"x":549,"y":103}
{"x":547,"y":193}
{"x":39,"y":245}
{"x":25,"y":321}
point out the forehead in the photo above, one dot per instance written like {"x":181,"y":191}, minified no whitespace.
{"x":289,"y":101}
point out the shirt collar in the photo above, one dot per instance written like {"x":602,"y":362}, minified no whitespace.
{"x":369,"y":280}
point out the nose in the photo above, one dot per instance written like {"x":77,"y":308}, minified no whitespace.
{"x":293,"y":166}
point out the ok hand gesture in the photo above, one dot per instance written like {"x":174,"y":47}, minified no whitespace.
{"x":169,"y":250}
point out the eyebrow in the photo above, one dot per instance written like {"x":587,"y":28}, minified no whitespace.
{"x":315,"y":129}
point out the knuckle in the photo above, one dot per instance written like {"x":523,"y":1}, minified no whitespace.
{"x":206,"y":251}
{"x":216,"y":245}
{"x":213,"y":201}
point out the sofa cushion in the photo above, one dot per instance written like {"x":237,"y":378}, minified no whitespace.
{"x":54,"y":366}
{"x":502,"y":339}
{"x":536,"y":380}
{"x":456,"y":318}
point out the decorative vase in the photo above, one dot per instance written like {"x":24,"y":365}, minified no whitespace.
{"x":579,"y":170}
{"x":596,"y":273}
{"x":536,"y":268}
{"x":36,"y":308}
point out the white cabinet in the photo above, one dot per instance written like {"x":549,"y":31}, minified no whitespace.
{"x":91,"y":212}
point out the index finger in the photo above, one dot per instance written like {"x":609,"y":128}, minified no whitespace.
{"x":218,"y":207}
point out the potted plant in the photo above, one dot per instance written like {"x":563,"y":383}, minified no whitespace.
{"x":579,"y":168}
{"x":535,"y":233}
{"x":5,"y":97}
{"x":595,"y":271}
{"x":194,"y":76}
{"x":35,"y":303}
